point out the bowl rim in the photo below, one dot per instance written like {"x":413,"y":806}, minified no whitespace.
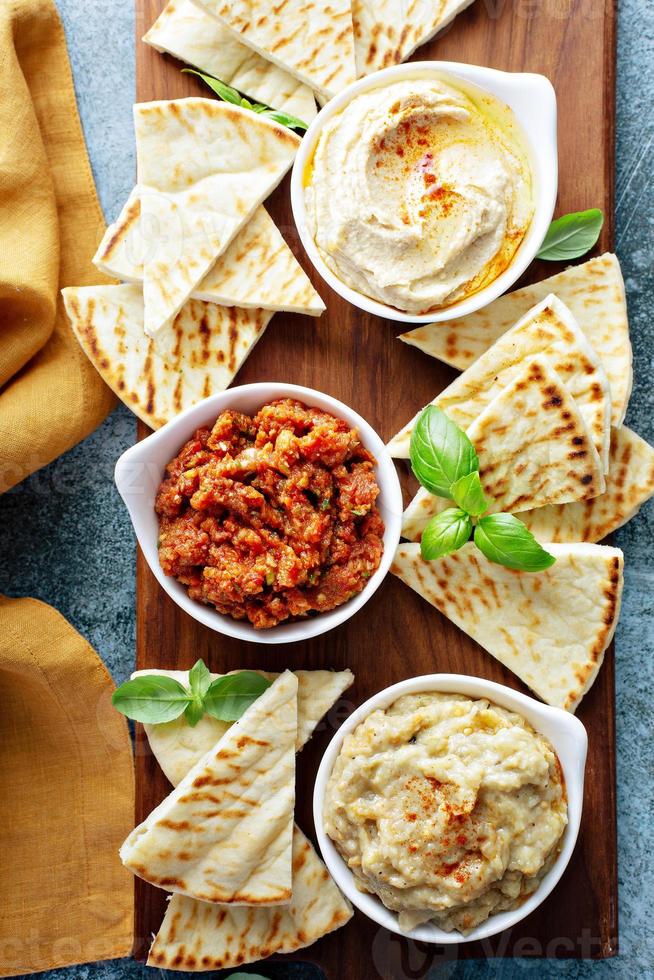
{"x":533,"y":100}
{"x":566,"y":734}
{"x":140,"y":468}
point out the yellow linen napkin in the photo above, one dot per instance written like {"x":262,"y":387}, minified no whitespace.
{"x":66,"y":798}
{"x":66,"y":771}
{"x":50,"y":223}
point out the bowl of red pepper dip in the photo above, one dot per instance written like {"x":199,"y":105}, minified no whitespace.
{"x":268,"y":512}
{"x":271,"y":517}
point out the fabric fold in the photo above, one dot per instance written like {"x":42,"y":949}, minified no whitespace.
{"x":66,"y":797}
{"x":50,"y":224}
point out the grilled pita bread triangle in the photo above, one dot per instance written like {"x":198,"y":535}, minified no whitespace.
{"x":197,"y":936}
{"x":550,"y":330}
{"x":629,"y":483}
{"x":593,"y":292}
{"x":190,"y":34}
{"x":177,"y":747}
{"x":203,"y":167}
{"x":198,"y":354}
{"x":313,"y":41}
{"x":550,"y":628}
{"x":258,"y":270}
{"x":387,"y":32}
{"x":225,"y":833}
{"x":534,"y":450}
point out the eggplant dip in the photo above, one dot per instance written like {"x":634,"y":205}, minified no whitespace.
{"x":448,"y":809}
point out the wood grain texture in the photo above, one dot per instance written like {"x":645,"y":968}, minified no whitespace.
{"x":357,"y":358}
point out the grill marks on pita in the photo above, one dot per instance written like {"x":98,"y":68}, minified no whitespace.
{"x":551,"y":628}
{"x":629,"y":484}
{"x":311,"y":40}
{"x":198,"y":354}
{"x":548,"y":330}
{"x":177,"y":747}
{"x":257,"y":271}
{"x":224,"y":834}
{"x":534,"y":450}
{"x":387,"y":32}
{"x":187,"y":32}
{"x":222,"y":161}
{"x":593,"y":292}
{"x":202,"y":935}
{"x":197,"y":936}
{"x":533,"y":445}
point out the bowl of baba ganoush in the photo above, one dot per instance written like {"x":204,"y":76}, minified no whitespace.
{"x":422,"y":192}
{"x":447,"y":807}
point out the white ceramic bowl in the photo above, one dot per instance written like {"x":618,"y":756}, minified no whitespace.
{"x":533,"y":101}
{"x":566,"y":734}
{"x":140,"y":470}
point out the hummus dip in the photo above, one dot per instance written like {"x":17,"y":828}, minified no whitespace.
{"x":419,"y":194}
{"x":448,"y":809}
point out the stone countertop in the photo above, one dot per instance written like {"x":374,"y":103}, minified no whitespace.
{"x":65,"y":537}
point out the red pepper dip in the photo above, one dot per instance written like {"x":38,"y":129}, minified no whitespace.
{"x":271,"y":518}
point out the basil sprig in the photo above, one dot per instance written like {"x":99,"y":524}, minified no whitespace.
{"x":155,"y":698}
{"x":445,"y":463}
{"x":571,"y":236}
{"x":229,"y":94}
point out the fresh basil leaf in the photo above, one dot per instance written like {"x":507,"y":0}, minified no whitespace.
{"x":199,"y":679}
{"x":571,"y":235}
{"x":468,"y":494}
{"x":505,"y":540}
{"x":445,"y":533}
{"x":282,"y":117}
{"x":229,"y":696}
{"x":193,"y":711}
{"x":229,"y":94}
{"x":151,"y":698}
{"x":226,"y":92}
{"x":441,"y":452}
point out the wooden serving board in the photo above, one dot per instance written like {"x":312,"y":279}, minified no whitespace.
{"x":357,"y":358}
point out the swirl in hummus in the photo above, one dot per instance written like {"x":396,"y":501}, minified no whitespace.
{"x":419,"y":194}
{"x":448,"y":809}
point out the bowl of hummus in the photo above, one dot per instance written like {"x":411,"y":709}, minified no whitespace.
{"x":447,"y":807}
{"x":422,"y":192}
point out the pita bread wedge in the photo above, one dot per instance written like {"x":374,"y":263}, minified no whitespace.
{"x":225,"y":833}
{"x":196,"y":936}
{"x":257,"y":271}
{"x":312,"y":40}
{"x":199,"y":353}
{"x":549,"y":330}
{"x":593,"y":292}
{"x":550,"y":628}
{"x":187,"y":32}
{"x":534,"y":450}
{"x":630,"y":482}
{"x":177,"y":747}
{"x":204,"y":167}
{"x":387,"y":32}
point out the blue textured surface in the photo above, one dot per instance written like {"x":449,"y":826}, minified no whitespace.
{"x":83,"y":562}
